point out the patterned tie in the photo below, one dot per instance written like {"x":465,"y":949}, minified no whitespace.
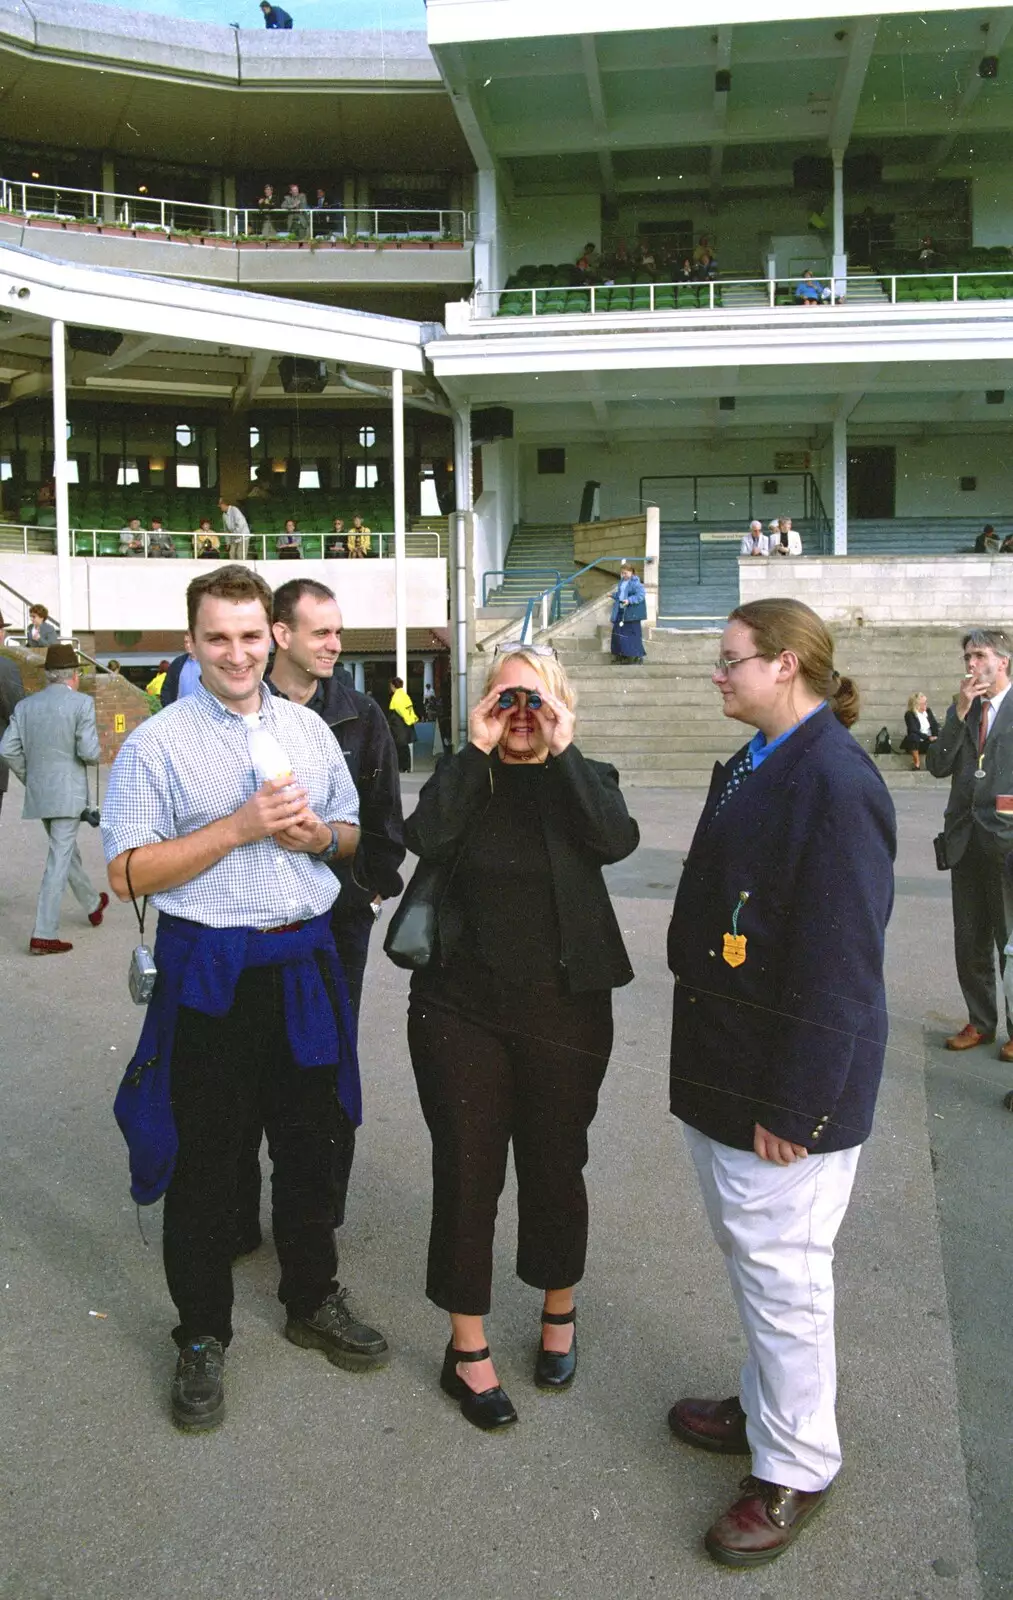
{"x":736,"y":778}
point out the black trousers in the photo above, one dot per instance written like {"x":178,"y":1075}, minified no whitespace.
{"x":982,"y":920}
{"x":532,"y":1081}
{"x":221,"y":1067}
{"x":351,"y":936}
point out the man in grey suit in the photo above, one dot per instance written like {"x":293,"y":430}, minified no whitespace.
{"x":11,"y":691}
{"x":975,"y":751}
{"x":51,"y":740}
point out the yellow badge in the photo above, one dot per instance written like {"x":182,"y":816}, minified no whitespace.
{"x":734,"y":950}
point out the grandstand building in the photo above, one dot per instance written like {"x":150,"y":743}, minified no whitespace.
{"x":423,"y":347}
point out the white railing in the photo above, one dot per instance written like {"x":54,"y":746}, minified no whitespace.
{"x":149,"y":214}
{"x":713,"y":294}
{"x":88,"y":542}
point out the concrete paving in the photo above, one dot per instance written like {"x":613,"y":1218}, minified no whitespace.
{"x":322,"y":1484}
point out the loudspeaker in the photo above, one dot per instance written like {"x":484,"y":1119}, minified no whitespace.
{"x":300,"y":376}
{"x":492,"y":423}
{"x":97,"y":341}
{"x":863,"y":171}
{"x":813,"y":172}
{"x":988,"y":67}
{"x":995,"y":397}
{"x":722,"y":81}
{"x":726,"y":402}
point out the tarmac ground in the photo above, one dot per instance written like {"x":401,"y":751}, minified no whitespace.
{"x":324,"y":1485}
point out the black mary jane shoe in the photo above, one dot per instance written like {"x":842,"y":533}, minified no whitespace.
{"x":552,"y":1370}
{"x":492,"y":1408}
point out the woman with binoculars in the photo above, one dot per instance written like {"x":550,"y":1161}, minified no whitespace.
{"x":510,"y":1023}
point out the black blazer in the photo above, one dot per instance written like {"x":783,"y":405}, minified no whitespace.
{"x":971,"y":806}
{"x":913,"y":735}
{"x":794,"y":1037}
{"x":586,"y":824}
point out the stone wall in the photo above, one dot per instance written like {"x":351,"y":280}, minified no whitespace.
{"x":899,"y":591}
{"x":119,"y":706}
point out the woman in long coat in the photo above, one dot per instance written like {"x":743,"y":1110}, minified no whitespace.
{"x":629,"y":612}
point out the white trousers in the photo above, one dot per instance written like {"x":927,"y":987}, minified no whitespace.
{"x":776,"y":1228}
{"x":64,"y":869}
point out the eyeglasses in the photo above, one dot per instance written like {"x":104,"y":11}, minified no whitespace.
{"x":724,"y":664}
{"x":512,"y":647}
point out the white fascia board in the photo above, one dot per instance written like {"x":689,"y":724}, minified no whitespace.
{"x":924,"y":338}
{"x":37,"y":286}
{"x":471,"y":21}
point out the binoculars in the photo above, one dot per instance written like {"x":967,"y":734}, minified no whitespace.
{"x":508,"y":698}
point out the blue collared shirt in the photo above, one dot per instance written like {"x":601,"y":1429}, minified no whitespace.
{"x":190,"y":766}
{"x":759,"y":749}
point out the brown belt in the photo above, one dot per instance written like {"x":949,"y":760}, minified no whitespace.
{"x":286,"y":927}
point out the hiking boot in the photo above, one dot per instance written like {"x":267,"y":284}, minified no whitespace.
{"x":344,"y":1341}
{"x":198,"y":1389}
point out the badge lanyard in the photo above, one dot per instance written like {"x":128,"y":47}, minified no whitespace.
{"x":982,"y":736}
{"x":734,"y":945}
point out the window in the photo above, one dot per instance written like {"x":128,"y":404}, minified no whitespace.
{"x":309,"y":478}
{"x":429,"y":503}
{"x":127,"y":473}
{"x":188,"y":475}
{"x":367,"y":438}
{"x":73,"y":476}
{"x":254,"y":438}
{"x":184,"y":435}
{"x":6,"y":469}
{"x":367,"y":476}
{"x":551,"y":461}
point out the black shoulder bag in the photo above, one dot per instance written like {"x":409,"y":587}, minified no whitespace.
{"x":411,"y":936}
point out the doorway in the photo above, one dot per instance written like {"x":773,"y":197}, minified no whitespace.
{"x":872,"y":482}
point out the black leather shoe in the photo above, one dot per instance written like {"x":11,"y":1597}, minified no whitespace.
{"x":552,"y":1370}
{"x":198,"y":1389}
{"x":344,"y":1340}
{"x":492,"y":1408}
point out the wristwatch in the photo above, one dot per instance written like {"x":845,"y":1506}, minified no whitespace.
{"x":329,"y":854}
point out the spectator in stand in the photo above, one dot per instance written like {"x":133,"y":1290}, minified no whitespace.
{"x":267,"y":205}
{"x":132,"y":538}
{"x":274,"y":16}
{"x":290,"y":542}
{"x":684,"y":274}
{"x":1006,"y":548}
{"x":755,"y":542}
{"x":808,"y":291}
{"x":702,"y":249}
{"x":928,"y":255}
{"x":921,"y":729}
{"x":159,"y":542}
{"x":706,"y":269}
{"x":205,"y":545}
{"x":359,"y":538}
{"x":295,"y":203}
{"x":237,"y":528}
{"x":987,"y":542}
{"x":621,"y":258}
{"x":324,"y":222}
{"x":337,"y":544}
{"x":788,"y":542}
{"x":45,"y":494}
{"x":589,"y":264}
{"x":646,"y":257}
{"x":40,"y":631}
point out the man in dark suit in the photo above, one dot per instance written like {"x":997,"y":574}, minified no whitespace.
{"x":975,"y":751}
{"x":11,"y":691}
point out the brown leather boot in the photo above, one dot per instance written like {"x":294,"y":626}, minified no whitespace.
{"x":718,"y":1425}
{"x":761,"y":1525}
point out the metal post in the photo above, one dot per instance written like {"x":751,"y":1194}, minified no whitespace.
{"x":840,"y":486}
{"x":839,"y":272}
{"x":64,"y":572}
{"x":400,"y":570}
{"x":462,"y":533}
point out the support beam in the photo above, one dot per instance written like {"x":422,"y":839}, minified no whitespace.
{"x":400,"y":569}
{"x":596,"y":398}
{"x":463,"y":537}
{"x":256,"y":372}
{"x":133,"y":347}
{"x":999,"y":24}
{"x":840,"y":260}
{"x":722,"y":63}
{"x":851,"y":81}
{"x":595,"y":94}
{"x":64,"y":578}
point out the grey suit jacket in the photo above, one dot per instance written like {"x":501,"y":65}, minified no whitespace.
{"x":971,"y":806}
{"x":11,"y":691}
{"x":51,"y":736}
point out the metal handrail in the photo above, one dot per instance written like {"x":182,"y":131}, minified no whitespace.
{"x":109,"y":208}
{"x":515,"y":572}
{"x":836,"y":290}
{"x":550,"y":599}
{"x":813,"y":509}
{"x":423,"y":544}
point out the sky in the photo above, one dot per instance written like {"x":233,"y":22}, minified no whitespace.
{"x":305,"y":13}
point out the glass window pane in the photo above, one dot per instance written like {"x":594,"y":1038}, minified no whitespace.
{"x":309,"y":478}
{"x":367,"y":438}
{"x":366,"y":475}
{"x":188,"y":475}
{"x":184,"y":434}
{"x":127,"y":473}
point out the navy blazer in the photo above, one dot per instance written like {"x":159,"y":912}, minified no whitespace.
{"x":794,"y":1037}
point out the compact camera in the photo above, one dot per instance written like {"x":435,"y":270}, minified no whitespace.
{"x":92,"y":816}
{"x":142,"y":974}
{"x":508,"y":698}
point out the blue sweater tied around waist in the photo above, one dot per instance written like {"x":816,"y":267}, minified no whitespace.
{"x":199,"y":968}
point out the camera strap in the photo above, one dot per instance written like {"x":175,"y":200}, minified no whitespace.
{"x":142,"y":913}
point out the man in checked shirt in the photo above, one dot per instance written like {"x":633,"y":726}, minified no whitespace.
{"x":249,"y":1004}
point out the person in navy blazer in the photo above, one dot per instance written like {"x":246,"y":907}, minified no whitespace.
{"x":778,"y":1037}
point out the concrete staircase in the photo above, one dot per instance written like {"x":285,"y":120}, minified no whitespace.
{"x":545,"y":547}
{"x":699,"y":579}
{"x":866,"y":291}
{"x":736,"y":296}
{"x":661,"y":724}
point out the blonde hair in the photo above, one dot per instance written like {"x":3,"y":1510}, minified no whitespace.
{"x":913,"y":700}
{"x":548,"y":668}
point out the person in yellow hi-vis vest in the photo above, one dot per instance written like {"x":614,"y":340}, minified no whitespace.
{"x":402,"y":717}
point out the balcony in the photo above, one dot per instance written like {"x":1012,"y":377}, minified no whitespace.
{"x":241,"y":247}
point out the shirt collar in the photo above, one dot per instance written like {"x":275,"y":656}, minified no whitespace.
{"x":997,"y":699}
{"x":222,"y":713}
{"x":760,"y":749}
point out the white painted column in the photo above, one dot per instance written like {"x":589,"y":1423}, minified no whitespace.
{"x":651,"y":570}
{"x":840,"y":261}
{"x":462,"y":523}
{"x":840,"y":486}
{"x":487,"y":233}
{"x":64,"y":575}
{"x":400,"y":569}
